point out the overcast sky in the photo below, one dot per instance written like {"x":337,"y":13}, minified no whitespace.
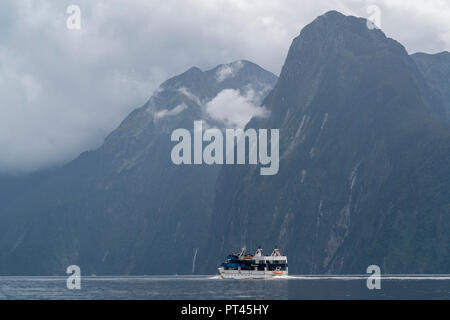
{"x":62,"y":91}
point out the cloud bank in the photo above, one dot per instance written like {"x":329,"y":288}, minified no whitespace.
{"x":62,"y":91}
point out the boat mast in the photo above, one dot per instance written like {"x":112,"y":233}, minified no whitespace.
{"x":242,"y":252}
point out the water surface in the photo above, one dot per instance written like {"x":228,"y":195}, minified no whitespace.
{"x":212,"y":287}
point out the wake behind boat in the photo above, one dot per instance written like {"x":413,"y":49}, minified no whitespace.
{"x":254,"y":266}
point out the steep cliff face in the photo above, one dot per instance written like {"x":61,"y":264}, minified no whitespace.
{"x":436,"y":70}
{"x":363,"y":177}
{"x":126,"y":208}
{"x":364,"y":154}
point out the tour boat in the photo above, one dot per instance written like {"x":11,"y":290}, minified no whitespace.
{"x":254,"y":266}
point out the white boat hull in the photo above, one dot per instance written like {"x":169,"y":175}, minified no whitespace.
{"x":250,"y":274}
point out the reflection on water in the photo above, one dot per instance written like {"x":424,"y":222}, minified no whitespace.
{"x":212,"y":287}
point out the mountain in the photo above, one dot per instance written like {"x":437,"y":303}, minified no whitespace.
{"x":436,"y":70}
{"x":126,"y":208}
{"x":363,"y":175}
{"x":364,"y":162}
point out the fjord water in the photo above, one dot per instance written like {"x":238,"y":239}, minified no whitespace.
{"x":212,"y":287}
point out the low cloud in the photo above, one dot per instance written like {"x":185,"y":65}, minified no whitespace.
{"x":233,"y":109}
{"x":190,"y":95}
{"x":172,"y":112}
{"x":62,"y":91}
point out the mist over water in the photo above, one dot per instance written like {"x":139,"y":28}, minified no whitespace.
{"x":213,"y":287}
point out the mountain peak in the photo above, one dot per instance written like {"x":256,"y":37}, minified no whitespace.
{"x":335,"y":48}
{"x":332,"y":14}
{"x":223,"y":73}
{"x":241,"y":63}
{"x":194,"y":70}
{"x":335,"y":22}
{"x":334,"y":37}
{"x":357,"y":124}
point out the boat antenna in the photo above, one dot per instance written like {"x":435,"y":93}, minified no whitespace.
{"x":242,"y":251}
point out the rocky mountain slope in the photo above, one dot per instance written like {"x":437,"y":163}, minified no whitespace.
{"x":364,"y":168}
{"x":436,"y":70}
{"x":126,"y":208}
{"x":364,"y":174}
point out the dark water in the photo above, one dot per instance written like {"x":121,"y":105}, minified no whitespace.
{"x":211,"y":287}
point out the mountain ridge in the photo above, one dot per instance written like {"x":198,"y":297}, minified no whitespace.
{"x":355,"y":117}
{"x":113,"y":209}
{"x":363,"y":175}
